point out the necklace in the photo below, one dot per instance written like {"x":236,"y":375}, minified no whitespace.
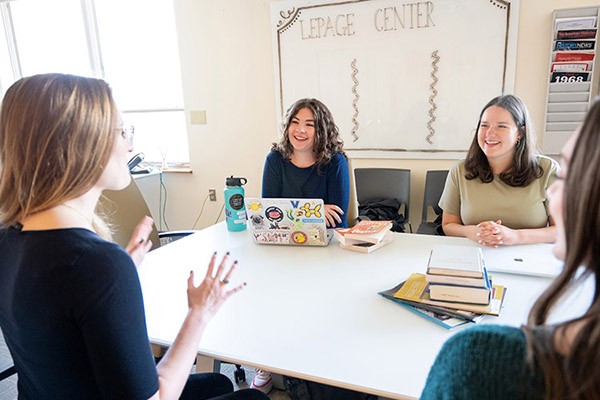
{"x":88,"y":220}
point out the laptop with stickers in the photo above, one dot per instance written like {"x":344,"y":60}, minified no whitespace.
{"x":298,"y":222}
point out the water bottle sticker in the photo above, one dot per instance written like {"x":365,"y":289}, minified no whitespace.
{"x":236,"y":202}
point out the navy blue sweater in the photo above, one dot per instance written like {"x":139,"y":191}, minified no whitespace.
{"x":330,"y":182}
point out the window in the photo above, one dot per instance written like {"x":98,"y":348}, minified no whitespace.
{"x":132,"y":44}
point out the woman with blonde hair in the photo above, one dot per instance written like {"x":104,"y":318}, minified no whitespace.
{"x":542,"y":360}
{"x":71,"y":307}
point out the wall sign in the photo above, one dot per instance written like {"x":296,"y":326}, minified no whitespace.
{"x":402,"y":79}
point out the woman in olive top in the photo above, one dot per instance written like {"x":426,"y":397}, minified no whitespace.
{"x":545,"y":359}
{"x":497,"y":195}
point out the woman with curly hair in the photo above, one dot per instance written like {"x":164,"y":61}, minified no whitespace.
{"x":544,"y":359}
{"x":309,"y":161}
{"x":497,"y":195}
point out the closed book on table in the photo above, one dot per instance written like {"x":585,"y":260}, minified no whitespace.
{"x":465,"y":261}
{"x":416,"y":289}
{"x":366,"y":247}
{"x":462,"y":293}
{"x":340,"y":235}
{"x":455,"y":280}
{"x":369,"y":231}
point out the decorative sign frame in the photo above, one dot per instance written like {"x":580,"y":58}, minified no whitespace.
{"x":402,"y":79}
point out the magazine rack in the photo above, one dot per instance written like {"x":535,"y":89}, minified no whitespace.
{"x":572,"y":75}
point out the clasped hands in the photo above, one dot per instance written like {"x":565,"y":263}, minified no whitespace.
{"x":494,"y":234}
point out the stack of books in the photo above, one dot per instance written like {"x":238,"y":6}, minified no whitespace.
{"x":457,"y":274}
{"x":365,"y":236}
{"x":455,"y":290}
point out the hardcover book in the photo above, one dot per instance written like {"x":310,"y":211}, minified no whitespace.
{"x":465,"y":261}
{"x":366,"y":247}
{"x":416,"y":289}
{"x":456,"y":280}
{"x":369,"y":231}
{"x":462,"y":293}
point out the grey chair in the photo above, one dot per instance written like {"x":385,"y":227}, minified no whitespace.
{"x":434,"y":186}
{"x":383,"y":183}
{"x":7,"y":371}
{"x":125,"y":208}
{"x":7,"y":368}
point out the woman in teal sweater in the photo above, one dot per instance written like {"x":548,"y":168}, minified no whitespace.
{"x":542,"y":361}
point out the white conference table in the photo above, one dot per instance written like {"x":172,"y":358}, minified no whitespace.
{"x":314,"y":312}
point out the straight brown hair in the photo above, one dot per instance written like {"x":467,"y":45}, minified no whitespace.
{"x":525,"y":167}
{"x":576,"y":375}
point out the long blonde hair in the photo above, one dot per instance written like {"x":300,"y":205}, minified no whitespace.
{"x":57,"y":133}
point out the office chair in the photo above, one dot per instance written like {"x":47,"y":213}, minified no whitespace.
{"x":125,"y":209}
{"x":376,"y":185}
{"x":434,"y":186}
{"x":7,"y":371}
{"x":7,"y":367}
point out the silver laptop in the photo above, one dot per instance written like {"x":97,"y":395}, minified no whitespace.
{"x":528,"y":259}
{"x":298,"y":222}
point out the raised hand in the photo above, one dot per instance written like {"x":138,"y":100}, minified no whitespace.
{"x":206,"y":299}
{"x":139,"y":244}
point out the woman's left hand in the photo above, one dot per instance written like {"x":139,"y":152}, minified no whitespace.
{"x":139,"y":244}
{"x":333,"y":215}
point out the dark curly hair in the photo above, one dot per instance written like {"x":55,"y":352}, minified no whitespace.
{"x":525,"y":167}
{"x":327,"y":135}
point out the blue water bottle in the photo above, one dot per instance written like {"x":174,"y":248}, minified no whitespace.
{"x":235,"y":210}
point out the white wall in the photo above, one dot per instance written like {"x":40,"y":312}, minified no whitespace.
{"x":227,"y":63}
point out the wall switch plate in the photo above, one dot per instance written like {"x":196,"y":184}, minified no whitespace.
{"x":198,"y":117}
{"x":212,"y":194}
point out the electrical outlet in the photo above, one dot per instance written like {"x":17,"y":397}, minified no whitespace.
{"x":212,"y":194}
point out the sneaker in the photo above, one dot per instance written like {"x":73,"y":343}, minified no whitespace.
{"x":262,"y":381}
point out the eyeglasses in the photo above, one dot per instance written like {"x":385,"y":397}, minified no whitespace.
{"x":127,"y":133}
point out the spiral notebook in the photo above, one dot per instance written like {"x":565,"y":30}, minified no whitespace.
{"x":297,"y":222}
